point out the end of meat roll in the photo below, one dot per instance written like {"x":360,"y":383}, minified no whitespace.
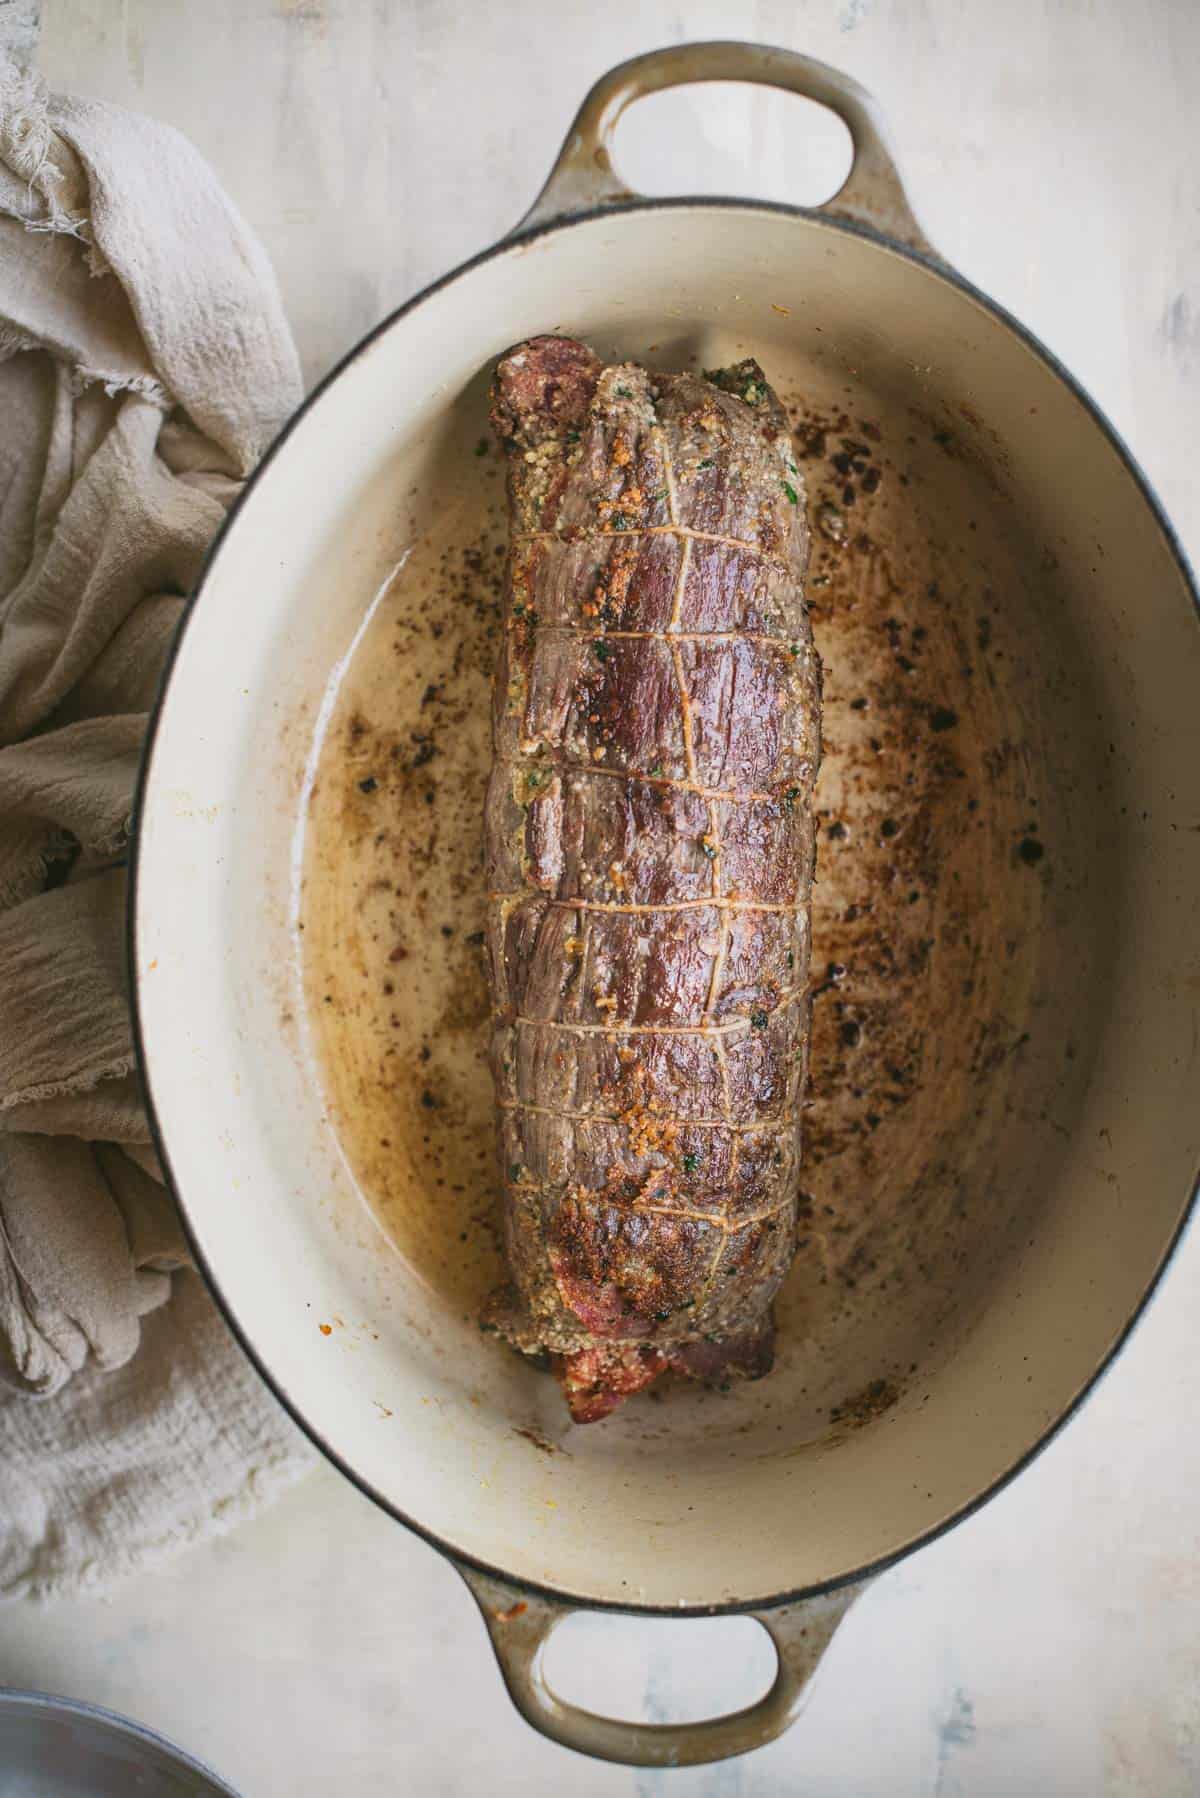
{"x":542,"y":387}
{"x":597,"y":1377}
{"x":595,"y":1380}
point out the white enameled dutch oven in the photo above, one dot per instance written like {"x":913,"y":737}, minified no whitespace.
{"x":1055,"y":1064}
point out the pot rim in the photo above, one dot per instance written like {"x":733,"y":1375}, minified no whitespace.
{"x":521,"y":238}
{"x":15,"y":1699}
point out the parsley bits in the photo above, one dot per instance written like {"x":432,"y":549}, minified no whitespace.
{"x":601,"y":650}
{"x":758,"y":1020}
{"x":690,"y":1163}
{"x":793,"y":498}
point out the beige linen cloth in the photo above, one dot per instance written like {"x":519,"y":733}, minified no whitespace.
{"x":145,"y":365}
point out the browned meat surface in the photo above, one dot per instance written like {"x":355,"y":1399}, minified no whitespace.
{"x":650,"y":859}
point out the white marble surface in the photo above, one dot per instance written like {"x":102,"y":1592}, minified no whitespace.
{"x":1050,"y":1644}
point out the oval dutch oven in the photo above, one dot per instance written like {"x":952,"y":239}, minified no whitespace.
{"x":749,"y":1513}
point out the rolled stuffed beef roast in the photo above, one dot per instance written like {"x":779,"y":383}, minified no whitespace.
{"x":649,"y":839}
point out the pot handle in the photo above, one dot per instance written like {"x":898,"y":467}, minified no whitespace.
{"x":583,"y":178}
{"x":520,"y":1625}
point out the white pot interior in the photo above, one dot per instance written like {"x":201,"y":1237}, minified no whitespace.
{"x":1001,"y":1220}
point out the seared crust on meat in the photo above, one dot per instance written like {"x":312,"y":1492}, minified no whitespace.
{"x":650,"y":847}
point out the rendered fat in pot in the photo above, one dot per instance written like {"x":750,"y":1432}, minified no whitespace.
{"x":649,"y":839}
